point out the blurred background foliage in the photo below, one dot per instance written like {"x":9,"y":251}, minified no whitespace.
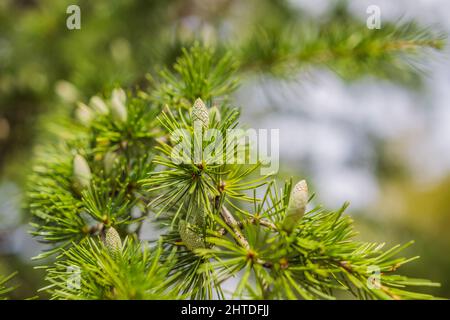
{"x":280,"y":45}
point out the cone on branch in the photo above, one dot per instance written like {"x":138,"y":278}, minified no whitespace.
{"x":111,"y":240}
{"x":118,"y":108}
{"x":98,"y":105}
{"x":275,"y":251}
{"x":82,"y":174}
{"x":84,"y":114}
{"x":191,"y":239}
{"x":296,"y":207}
{"x":200,"y":113}
{"x":67,"y":91}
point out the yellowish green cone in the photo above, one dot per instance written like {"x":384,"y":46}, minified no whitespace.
{"x":118,"y":108}
{"x":84,"y":114}
{"x":297,"y":206}
{"x":200,"y":113}
{"x":81,"y":173}
{"x":98,"y":105}
{"x":111,"y":240}
{"x":190,"y":238}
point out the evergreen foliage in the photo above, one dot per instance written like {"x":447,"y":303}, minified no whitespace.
{"x":341,"y":43}
{"x":135,"y":272}
{"x":4,"y":288}
{"x":113,"y":170}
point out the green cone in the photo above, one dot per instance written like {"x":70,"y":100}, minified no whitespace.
{"x":111,"y":240}
{"x":118,"y":108}
{"x":81,"y":173}
{"x":200,"y":113}
{"x":297,"y":206}
{"x":191,"y":239}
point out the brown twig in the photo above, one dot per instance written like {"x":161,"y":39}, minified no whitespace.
{"x":258,"y":220}
{"x":240,"y":238}
{"x":234,"y":225}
